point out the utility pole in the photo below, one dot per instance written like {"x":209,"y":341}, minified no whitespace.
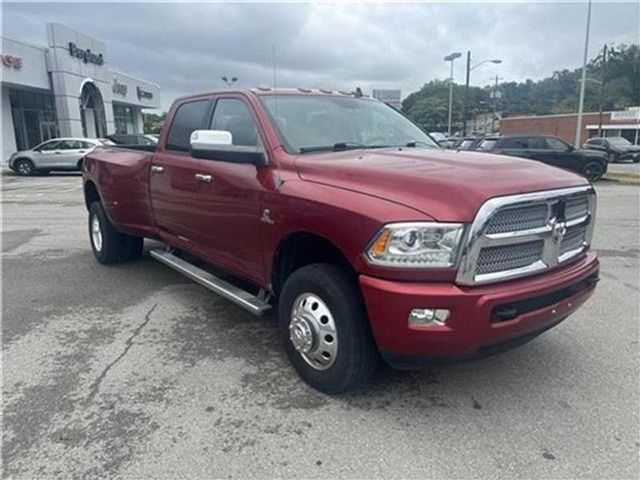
{"x":450,"y":58}
{"x":576,"y":142}
{"x":495,"y":103}
{"x":466,"y":96}
{"x":602,"y":81}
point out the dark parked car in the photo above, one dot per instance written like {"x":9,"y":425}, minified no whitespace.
{"x":468,"y":143}
{"x":129,"y":139}
{"x":550,"y":150}
{"x":615,"y":148}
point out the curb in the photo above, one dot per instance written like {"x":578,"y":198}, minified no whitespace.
{"x":624,"y":178}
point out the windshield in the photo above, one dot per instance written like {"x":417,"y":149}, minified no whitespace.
{"x":313,"y":123}
{"x":487,"y":145}
{"x":619,"y":141}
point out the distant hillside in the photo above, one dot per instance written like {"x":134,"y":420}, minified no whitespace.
{"x":555,"y":94}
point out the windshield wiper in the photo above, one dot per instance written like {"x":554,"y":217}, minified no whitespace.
{"x":414,"y":143}
{"x":336,"y":147}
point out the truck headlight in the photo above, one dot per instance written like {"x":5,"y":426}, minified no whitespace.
{"x":416,"y":245}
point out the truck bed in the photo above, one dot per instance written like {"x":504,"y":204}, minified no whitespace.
{"x":121,"y":177}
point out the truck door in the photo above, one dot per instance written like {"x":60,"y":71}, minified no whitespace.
{"x":228,"y":196}
{"x":172,"y":172}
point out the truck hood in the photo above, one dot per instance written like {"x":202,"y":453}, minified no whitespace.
{"x":443,"y":184}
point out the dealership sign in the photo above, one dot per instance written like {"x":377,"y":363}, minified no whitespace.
{"x":119,"y":88}
{"x":87,"y":56}
{"x":630,"y":114}
{"x":11,"y":61}
{"x":144,"y":94}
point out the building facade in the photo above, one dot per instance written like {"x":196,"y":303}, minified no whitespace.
{"x":67,"y":89}
{"x":625,"y":123}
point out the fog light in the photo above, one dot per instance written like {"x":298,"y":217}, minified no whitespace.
{"x":428,"y":316}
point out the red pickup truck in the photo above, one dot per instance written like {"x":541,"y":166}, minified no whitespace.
{"x":369,"y":239}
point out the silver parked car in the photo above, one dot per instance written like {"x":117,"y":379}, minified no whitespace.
{"x":54,"y":154}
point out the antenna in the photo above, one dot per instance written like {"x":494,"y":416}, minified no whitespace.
{"x":275,"y":80}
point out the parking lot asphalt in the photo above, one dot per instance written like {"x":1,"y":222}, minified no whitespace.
{"x":132,"y":371}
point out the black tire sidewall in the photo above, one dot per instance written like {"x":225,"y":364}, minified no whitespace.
{"x":357,"y":355}
{"x":24,"y":161}
{"x":586,"y":168}
{"x":116,"y":246}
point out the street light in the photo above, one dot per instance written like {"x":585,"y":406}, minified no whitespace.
{"x":466,"y":87}
{"x":576,"y":142}
{"x":228,"y":81}
{"x":450,"y":58}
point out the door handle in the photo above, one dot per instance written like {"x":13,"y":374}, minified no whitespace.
{"x":157,"y":169}
{"x":203,"y":178}
{"x":56,"y":153}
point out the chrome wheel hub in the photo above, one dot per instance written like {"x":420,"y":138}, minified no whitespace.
{"x":96,"y":233}
{"x":312,"y":331}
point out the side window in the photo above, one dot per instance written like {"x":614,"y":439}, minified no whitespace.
{"x":87,"y":145}
{"x":188,"y":117}
{"x":47,"y":147}
{"x":555,"y":144}
{"x":538,"y":143}
{"x":70,"y":145}
{"x":233,"y":116}
{"x":515,"y":143}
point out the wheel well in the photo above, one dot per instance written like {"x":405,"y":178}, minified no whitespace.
{"x":300,"y":249}
{"x":90,"y":194}
{"x":23,"y":159}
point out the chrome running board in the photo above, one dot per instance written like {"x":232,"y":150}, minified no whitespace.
{"x":240,"y":297}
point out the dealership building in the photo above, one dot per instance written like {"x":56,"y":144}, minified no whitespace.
{"x":67,"y":89}
{"x":622,"y":123}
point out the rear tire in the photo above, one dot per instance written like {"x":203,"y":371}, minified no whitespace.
{"x":334,"y":349}
{"x":108,"y":244}
{"x":24,"y":167}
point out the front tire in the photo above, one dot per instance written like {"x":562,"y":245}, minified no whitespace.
{"x":24,"y":167}
{"x":325,"y":330}
{"x":108,"y":244}
{"x":593,"y":171}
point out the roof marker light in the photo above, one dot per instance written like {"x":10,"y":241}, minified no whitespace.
{"x":325,"y":90}
{"x":264,"y":87}
{"x":304,"y":89}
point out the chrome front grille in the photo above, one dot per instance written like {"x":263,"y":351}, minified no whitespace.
{"x":524,"y":234}
{"x":508,"y":257}
{"x":519,"y":218}
{"x":575,"y":238}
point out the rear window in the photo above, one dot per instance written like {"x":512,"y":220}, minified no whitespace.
{"x":487,"y":144}
{"x":188,"y":117}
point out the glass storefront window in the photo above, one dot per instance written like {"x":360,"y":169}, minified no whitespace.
{"x":34,"y":117}
{"x":124,"y":119}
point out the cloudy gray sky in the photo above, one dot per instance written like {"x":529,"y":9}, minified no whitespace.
{"x":188,"y":47}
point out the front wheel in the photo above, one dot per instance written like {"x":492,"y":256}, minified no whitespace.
{"x":24,"y":167}
{"x":325,"y":330}
{"x":593,"y":171}
{"x":108,"y":244}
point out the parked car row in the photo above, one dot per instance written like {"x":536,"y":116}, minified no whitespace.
{"x":590,"y":161}
{"x":66,"y":154}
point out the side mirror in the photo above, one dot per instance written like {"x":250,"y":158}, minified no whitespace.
{"x":571,"y":148}
{"x":218,"y":145}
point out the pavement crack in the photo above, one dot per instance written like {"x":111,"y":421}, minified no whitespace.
{"x":95,"y":386}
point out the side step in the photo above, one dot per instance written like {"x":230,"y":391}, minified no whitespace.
{"x":238,"y":296}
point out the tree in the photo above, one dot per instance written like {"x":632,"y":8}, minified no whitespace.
{"x":153,"y":122}
{"x":555,"y":94}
